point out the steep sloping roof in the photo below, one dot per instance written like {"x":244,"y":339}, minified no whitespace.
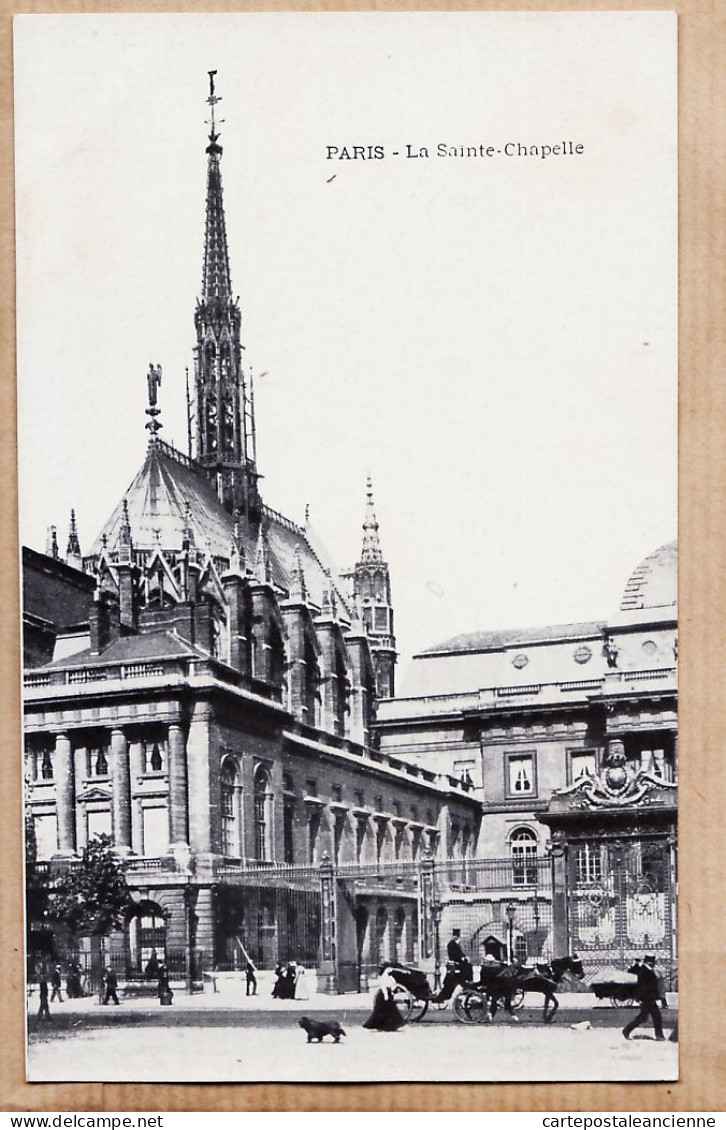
{"x":171,"y":493}
{"x":134,"y":649}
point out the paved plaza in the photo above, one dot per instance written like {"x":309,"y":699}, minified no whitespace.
{"x":217,"y":1037}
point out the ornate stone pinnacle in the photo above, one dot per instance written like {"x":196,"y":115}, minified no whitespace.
{"x":153,"y":381}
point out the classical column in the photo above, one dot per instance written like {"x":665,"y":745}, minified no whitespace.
{"x":121,"y":791}
{"x":198,"y":760}
{"x":560,"y":924}
{"x":64,"y":794}
{"x":136,"y":771}
{"x":178,"y":786}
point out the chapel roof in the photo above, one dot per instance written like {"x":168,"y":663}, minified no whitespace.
{"x":171,"y":494}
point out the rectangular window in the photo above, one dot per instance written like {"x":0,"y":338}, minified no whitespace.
{"x":337,"y":793}
{"x":46,"y":835}
{"x":463,"y":770}
{"x":583,"y":763}
{"x":260,"y":829}
{"x":381,"y":619}
{"x":313,"y":825}
{"x":655,"y":762}
{"x":97,"y":762}
{"x":288,"y":846}
{"x":44,"y":763}
{"x":98,"y":822}
{"x":588,"y":859}
{"x":521,"y":780}
{"x":155,"y":830}
{"x":154,"y":757}
{"x":311,"y":787}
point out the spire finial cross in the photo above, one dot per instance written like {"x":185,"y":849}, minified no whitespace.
{"x":212,"y":101}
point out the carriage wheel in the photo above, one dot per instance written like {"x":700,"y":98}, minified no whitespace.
{"x":404,"y":1002}
{"x":418,"y":1010}
{"x":471,"y":1007}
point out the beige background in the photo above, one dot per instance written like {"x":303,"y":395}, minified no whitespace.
{"x":702,"y":80}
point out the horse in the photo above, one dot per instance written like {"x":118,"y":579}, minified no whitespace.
{"x":502,"y":983}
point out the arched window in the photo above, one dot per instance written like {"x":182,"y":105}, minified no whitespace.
{"x":146,"y":938}
{"x":523,"y":848}
{"x":229,"y":807}
{"x":263,"y":814}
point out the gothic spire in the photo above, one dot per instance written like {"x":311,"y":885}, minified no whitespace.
{"x":223,"y":406}
{"x":371,"y":546}
{"x":73,"y":549}
{"x":216,"y":282}
{"x":125,"y":542}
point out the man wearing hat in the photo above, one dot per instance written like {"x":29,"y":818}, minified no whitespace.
{"x":455,"y":954}
{"x":648,"y":993}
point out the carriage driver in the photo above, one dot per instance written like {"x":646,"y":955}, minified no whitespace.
{"x":456,"y":955}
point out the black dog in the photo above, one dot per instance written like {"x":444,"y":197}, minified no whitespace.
{"x":316,"y":1029}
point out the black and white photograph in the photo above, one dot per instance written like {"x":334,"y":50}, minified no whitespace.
{"x":347,"y":354}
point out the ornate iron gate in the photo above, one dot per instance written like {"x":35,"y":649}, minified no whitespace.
{"x":622,"y":901}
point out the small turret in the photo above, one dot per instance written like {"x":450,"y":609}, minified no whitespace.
{"x":372,"y":595}
{"x":51,"y":543}
{"x":298,"y":588}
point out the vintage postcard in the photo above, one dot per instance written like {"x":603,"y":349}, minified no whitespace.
{"x":347,"y":407}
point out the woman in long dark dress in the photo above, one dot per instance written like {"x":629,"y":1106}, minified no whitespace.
{"x":278,"y":989}
{"x":385,"y":1016}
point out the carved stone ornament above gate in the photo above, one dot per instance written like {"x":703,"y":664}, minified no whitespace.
{"x":617,"y":785}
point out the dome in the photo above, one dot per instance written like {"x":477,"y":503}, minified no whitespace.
{"x":654,"y":583}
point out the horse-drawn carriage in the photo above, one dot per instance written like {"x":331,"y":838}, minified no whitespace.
{"x":475,"y":1002}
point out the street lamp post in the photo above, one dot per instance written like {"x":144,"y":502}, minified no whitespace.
{"x":436,"y":911}
{"x":510,"y":911}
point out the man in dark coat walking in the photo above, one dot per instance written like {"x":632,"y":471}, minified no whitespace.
{"x":111,"y":983}
{"x":55,"y":980}
{"x":648,"y":993}
{"x":43,"y":1011}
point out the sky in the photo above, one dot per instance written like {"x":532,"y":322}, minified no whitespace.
{"x":493,"y":339}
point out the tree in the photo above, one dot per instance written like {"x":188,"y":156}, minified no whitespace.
{"x":90,"y":896}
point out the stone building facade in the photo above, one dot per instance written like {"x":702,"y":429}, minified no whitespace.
{"x":544,"y":721}
{"x":207,"y":689}
{"x":209,"y":702}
